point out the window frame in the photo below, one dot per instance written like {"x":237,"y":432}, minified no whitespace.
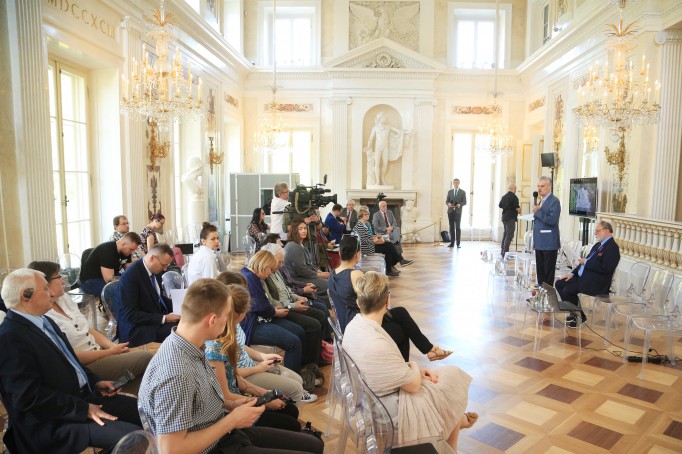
{"x":265,"y":29}
{"x":477,"y":11}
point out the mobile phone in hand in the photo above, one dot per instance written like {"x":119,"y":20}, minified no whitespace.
{"x":126,"y":378}
{"x":268,"y":397}
{"x":275,"y":361}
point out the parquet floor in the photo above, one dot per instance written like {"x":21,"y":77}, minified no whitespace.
{"x":561,"y":399}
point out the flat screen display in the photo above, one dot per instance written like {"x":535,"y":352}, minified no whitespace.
{"x":583,"y":197}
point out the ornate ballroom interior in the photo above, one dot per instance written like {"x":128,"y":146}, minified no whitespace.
{"x":475,"y":90}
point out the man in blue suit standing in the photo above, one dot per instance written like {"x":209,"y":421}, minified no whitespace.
{"x":145,"y":314}
{"x":594,"y":273}
{"x":546,"y":232}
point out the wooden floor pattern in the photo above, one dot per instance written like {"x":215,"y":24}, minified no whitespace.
{"x":562,"y":399}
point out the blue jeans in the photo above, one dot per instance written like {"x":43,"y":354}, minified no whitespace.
{"x":93,"y":286}
{"x":284,"y":334}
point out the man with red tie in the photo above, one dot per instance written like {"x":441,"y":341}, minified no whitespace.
{"x":594,"y":273}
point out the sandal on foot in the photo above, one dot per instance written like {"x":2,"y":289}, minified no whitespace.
{"x":472,"y":417}
{"x":438,"y":353}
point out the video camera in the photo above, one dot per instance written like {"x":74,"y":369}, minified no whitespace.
{"x":305,"y":200}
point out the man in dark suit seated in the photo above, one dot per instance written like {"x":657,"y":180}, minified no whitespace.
{"x":594,"y":274}
{"x":104,"y":262}
{"x":145,"y":314}
{"x":54,"y":404}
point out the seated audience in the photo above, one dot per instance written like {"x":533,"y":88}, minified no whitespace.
{"x":258,"y":367}
{"x":121,"y":227}
{"x":272,"y":238}
{"x":594,"y":274}
{"x":335,"y":224}
{"x":179,"y":377}
{"x":55,"y":404}
{"x":204,"y":263}
{"x":104,"y":262}
{"x":258,"y":229}
{"x":297,"y":311}
{"x":148,"y":234}
{"x":222,"y":354}
{"x":371,"y":243}
{"x":265,"y":324}
{"x":423,"y":403}
{"x":298,"y":260}
{"x":349,"y":215}
{"x":145,"y":314}
{"x":398,"y":322}
{"x":102,"y":356}
{"x":384,"y":223}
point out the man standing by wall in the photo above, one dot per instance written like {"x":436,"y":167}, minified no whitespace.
{"x":510,"y":210}
{"x":277,"y":206}
{"x":455,"y":200}
{"x":546,"y":232}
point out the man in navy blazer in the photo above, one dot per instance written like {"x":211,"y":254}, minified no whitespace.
{"x":546,"y":232}
{"x":455,"y":200}
{"x":145,"y":314}
{"x":594,"y":274}
{"x":55,"y":404}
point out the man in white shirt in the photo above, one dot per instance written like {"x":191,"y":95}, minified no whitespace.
{"x":277,"y":206}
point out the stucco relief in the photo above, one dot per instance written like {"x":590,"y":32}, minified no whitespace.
{"x":398,"y":21}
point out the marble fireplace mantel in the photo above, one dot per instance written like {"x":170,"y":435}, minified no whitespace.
{"x":400,"y":194}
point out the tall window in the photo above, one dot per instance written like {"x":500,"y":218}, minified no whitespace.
{"x":70,"y":169}
{"x":546,"y":36}
{"x":296,"y":32}
{"x":298,"y":159}
{"x":475,"y":173}
{"x":472,"y":35}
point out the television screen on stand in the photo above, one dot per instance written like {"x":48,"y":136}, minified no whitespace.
{"x":583,"y":197}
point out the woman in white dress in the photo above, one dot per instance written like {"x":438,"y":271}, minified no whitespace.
{"x":203,"y":263}
{"x":422,"y":403}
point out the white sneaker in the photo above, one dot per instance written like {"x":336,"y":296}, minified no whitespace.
{"x":307,"y":397}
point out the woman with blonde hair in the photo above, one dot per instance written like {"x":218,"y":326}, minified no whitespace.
{"x":265,"y":324}
{"x":422,"y":403}
{"x":261,"y":369}
{"x":222,"y":353}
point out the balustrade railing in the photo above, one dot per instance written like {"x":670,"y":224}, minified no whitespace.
{"x":647,"y":239}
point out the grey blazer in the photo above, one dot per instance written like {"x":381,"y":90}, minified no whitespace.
{"x":380,"y":225}
{"x":460,"y":198}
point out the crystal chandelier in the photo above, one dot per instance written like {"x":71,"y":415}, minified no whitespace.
{"x":273,"y":133}
{"x":500,"y":140}
{"x":161,"y":90}
{"x":616,"y":94}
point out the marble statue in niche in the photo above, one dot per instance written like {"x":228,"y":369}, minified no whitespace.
{"x":370,"y":20}
{"x":385,"y":144}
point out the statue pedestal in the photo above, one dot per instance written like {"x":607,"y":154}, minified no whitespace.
{"x":380,"y":187}
{"x":197,"y":211}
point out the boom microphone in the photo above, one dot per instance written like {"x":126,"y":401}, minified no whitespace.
{"x":535,"y":198}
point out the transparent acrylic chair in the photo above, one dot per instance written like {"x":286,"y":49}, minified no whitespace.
{"x":668,"y":325}
{"x":591,"y":303}
{"x":334,"y":395}
{"x":249,"y":246}
{"x":109,"y":300}
{"x":661,"y":284}
{"x":501,"y":270}
{"x":137,"y":442}
{"x":639,"y":275}
{"x":171,"y":280}
{"x":70,"y":265}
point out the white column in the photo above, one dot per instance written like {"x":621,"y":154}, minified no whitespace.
{"x":668,"y":149}
{"x":31,"y":116}
{"x":423,"y":155}
{"x":340,"y":152}
{"x":134,"y":153}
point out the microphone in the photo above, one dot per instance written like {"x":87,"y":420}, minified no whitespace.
{"x":535,"y":198}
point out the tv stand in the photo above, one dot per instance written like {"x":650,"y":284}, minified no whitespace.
{"x":585,"y":230}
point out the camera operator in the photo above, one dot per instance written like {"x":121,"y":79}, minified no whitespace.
{"x":277,"y":208}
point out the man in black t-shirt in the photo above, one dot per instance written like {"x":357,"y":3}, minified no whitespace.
{"x":510,"y":211}
{"x":103,"y":263}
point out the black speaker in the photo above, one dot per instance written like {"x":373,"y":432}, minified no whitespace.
{"x":547,"y":159}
